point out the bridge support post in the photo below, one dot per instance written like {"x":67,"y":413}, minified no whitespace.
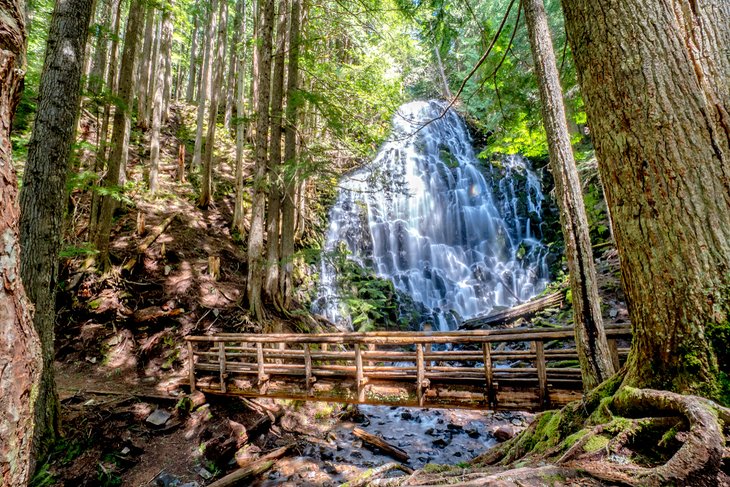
{"x":488,"y":378}
{"x":308,"y":369}
{"x":542,"y":374}
{"x":359,"y":374}
{"x":613,"y":349}
{"x":420,"y":374}
{"x":191,"y":366}
{"x":263,"y":378}
{"x":222,"y":365}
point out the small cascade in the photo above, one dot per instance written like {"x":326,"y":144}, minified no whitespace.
{"x":424,"y":215}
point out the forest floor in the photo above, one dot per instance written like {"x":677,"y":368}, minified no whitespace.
{"x":120,"y":355}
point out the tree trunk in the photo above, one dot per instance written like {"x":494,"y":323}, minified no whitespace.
{"x":99,"y":63}
{"x":659,"y":118}
{"x":157,"y":115}
{"x":237,"y":224}
{"x":111,"y":87}
{"x":218,"y":66}
{"x":43,"y":198}
{"x":590,"y":338}
{"x":20,"y":354}
{"x":190,"y":92}
{"x":167,"y":89}
{"x":143,"y":75}
{"x":232,"y":68}
{"x":271,"y":283}
{"x":442,"y":74}
{"x":290,"y":163}
{"x":258,"y":201}
{"x":206,"y":81}
{"x":120,"y":130}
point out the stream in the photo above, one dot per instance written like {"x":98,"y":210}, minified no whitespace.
{"x":461,"y":237}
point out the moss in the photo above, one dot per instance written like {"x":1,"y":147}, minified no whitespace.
{"x":573,"y":439}
{"x":436,"y":468}
{"x":596,"y":443}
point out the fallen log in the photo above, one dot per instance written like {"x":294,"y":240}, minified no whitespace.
{"x":253,"y":469}
{"x":381,"y":444}
{"x":149,"y":240}
{"x":507,"y":316}
{"x":154,"y":313}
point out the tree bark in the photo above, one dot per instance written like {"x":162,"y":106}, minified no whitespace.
{"x":288,"y":206}
{"x":167,"y":89}
{"x":217,"y":67}
{"x":190,"y":92}
{"x":158,"y":102}
{"x":143,"y":75}
{"x":237,"y":224}
{"x":656,"y":82}
{"x":590,"y":338}
{"x":231,"y":79}
{"x":206,"y":80}
{"x":111,"y":87}
{"x":20,"y":354}
{"x":258,"y":207}
{"x":43,"y":198}
{"x":273,"y":222}
{"x":99,"y":63}
{"x":120,"y":131}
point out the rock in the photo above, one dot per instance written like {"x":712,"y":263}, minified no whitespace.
{"x":504,"y":433}
{"x":190,"y":484}
{"x":455,"y":428}
{"x":325,"y":454}
{"x":440,"y":443}
{"x":164,"y":479}
{"x":430,"y":432}
{"x":204,"y":473}
{"x":517,"y":422}
{"x":613,"y":313}
{"x":158,"y":418}
{"x":472,"y":432}
{"x":406,"y":415}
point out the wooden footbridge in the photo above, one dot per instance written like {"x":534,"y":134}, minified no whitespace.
{"x":518,"y":369}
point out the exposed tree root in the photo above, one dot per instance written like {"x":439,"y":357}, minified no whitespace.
{"x":617,"y":435}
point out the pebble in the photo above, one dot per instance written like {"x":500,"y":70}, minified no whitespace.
{"x":158,"y":418}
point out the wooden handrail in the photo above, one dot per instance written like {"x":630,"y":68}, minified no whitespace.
{"x":415,"y":371}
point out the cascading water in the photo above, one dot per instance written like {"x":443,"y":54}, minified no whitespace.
{"x":423,"y":215}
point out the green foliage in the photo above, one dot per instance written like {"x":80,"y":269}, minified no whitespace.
{"x":73,"y":251}
{"x":597,"y":214}
{"x":371,"y":302}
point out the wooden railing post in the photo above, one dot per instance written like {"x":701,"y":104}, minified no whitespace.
{"x":371,"y":348}
{"x":263,"y":378}
{"x":308,"y":369}
{"x":359,"y":374}
{"x":191,"y":366}
{"x":488,"y":377}
{"x":420,"y":373}
{"x":541,"y":374}
{"x":222,"y":364}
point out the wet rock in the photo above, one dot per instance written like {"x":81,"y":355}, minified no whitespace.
{"x":430,"y":432}
{"x":356,"y":454}
{"x":190,"y":484}
{"x":164,"y":479}
{"x":406,"y":415}
{"x":517,"y":422}
{"x":441,"y":442}
{"x":330,"y":469}
{"x":158,"y":418}
{"x":504,"y":433}
{"x":204,"y":473}
{"x":440,"y":421}
{"x":455,"y":428}
{"x":457,"y":454}
{"x":325,"y":453}
{"x":472,"y":432}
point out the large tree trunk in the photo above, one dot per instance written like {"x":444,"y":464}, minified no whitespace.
{"x":271,"y":283}
{"x":143,"y":76}
{"x":190,"y":91}
{"x":158,"y":102}
{"x":232,"y":68}
{"x":237,"y":224}
{"x":206,"y":192}
{"x":43,"y":197}
{"x":206,"y":79}
{"x":121,"y":127}
{"x":659,"y":118}
{"x":20,"y":354}
{"x":258,"y":207}
{"x":288,"y":208}
{"x":590,"y":338}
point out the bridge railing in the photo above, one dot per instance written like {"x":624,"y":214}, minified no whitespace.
{"x":495,"y":369}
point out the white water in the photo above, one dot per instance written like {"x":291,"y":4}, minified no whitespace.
{"x":423,"y":215}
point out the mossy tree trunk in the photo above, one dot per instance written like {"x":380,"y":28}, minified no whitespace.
{"x":590,"y":338}
{"x":656,"y":81}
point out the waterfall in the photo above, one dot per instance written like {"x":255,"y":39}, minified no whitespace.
{"x":424,"y":215}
